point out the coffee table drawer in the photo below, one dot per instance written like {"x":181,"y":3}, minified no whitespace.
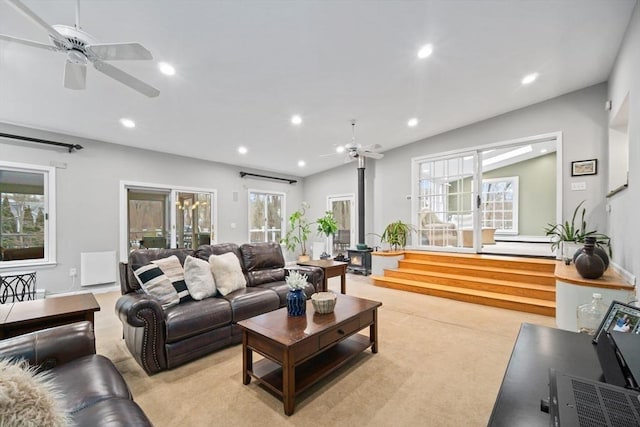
{"x":337,"y":333}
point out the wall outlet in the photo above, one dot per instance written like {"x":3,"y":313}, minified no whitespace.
{"x":73,"y":272}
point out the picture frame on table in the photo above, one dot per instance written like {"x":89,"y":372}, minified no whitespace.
{"x":584,"y":167}
{"x":620,"y":317}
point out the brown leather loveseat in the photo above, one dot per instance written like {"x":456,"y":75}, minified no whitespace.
{"x":95,"y":394}
{"x":161,"y":339}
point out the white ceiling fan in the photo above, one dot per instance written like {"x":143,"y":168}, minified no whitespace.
{"x":81,"y":49}
{"x":353,"y":150}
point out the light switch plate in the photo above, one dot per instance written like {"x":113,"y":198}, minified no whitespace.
{"x":578,"y":186}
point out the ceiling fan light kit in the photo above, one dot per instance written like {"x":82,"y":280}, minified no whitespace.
{"x":81,"y":49}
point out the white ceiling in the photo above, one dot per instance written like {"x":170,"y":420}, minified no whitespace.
{"x":245,"y":67}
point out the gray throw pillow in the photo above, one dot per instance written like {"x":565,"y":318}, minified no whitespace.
{"x":199,"y":279}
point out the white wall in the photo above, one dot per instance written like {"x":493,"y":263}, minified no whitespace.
{"x":624,"y":227}
{"x":88,"y":194}
{"x":579,"y":115}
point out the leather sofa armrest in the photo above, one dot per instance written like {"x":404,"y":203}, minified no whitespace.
{"x":51,"y":347}
{"x":143,"y":327}
{"x":315,"y":275}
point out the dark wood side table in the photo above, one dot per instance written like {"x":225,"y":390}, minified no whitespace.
{"x":330,"y":268}
{"x":28,"y":316}
{"x":526,"y":380}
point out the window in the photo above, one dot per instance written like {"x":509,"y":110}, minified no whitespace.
{"x":266,"y":219}
{"x":27,"y":205}
{"x":158,"y":216}
{"x":500,"y":204}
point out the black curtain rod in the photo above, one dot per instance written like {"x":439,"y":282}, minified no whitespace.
{"x":290,"y":181}
{"x":70,"y":147}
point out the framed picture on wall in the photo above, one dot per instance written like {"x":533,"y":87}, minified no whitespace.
{"x":584,"y":167}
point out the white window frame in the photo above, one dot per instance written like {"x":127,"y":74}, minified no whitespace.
{"x":49,"y":173}
{"x":173,"y":189}
{"x":514,"y":212}
{"x":283,"y":225}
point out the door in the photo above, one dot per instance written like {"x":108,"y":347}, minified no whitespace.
{"x":193,"y":219}
{"x":342,"y":207}
{"x":445,"y":209}
{"x":148,"y":218}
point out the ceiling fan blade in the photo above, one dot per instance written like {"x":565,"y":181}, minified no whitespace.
{"x":371,"y":154}
{"x":126,"y":79}
{"x":119,"y":51}
{"x":75,"y":76}
{"x":372,"y":147}
{"x":28,"y":42}
{"x":39,"y":21}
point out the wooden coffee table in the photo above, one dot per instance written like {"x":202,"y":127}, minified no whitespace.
{"x":330,"y":268}
{"x":299,"y":351}
{"x":27,"y":316}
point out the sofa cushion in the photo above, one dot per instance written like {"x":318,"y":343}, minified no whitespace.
{"x":282,"y":289}
{"x":115,"y":411}
{"x":88,"y":380}
{"x":155,"y":283}
{"x":172,"y":268}
{"x":140,"y":257}
{"x":29,"y":398}
{"x":199,"y":279}
{"x":249,"y":302}
{"x":195,"y":317}
{"x":227,"y":272}
{"x":263,"y":262}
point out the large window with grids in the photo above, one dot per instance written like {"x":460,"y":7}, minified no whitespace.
{"x":27,"y":226}
{"x":266,"y":216}
{"x":500,"y":204}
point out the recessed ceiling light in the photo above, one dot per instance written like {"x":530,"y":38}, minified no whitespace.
{"x":242,"y":150}
{"x":301,"y":163}
{"x":529,"y":78}
{"x":425,"y":51}
{"x":128,"y":123}
{"x":166,"y":68}
{"x":296,"y":120}
{"x":412,"y":122}
{"x":340,"y":149}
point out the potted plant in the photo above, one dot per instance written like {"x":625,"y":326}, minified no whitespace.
{"x":395,"y":234}
{"x":298,"y":233}
{"x":328,"y":226}
{"x":568,"y":236}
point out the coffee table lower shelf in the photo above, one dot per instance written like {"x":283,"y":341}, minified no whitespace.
{"x":312,"y":370}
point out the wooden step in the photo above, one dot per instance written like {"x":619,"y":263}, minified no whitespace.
{"x":488,"y":272}
{"x":512,"y":302}
{"x":507,"y":287}
{"x":495,"y":261}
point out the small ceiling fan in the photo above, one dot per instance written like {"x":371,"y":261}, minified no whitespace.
{"x":81,"y":49}
{"x":353,"y":150}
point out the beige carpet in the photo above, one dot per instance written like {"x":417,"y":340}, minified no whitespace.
{"x":440,"y":363}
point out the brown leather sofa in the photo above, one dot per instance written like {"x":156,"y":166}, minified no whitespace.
{"x":95,"y":392}
{"x":163,"y":339}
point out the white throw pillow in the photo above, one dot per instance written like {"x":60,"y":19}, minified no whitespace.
{"x":227,"y":272}
{"x":199,"y":279}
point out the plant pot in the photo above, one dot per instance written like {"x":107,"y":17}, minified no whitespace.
{"x":304,"y":258}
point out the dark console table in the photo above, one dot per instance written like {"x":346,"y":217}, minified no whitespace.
{"x":526,"y":380}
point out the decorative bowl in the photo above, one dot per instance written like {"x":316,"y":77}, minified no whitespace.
{"x":323,"y":302}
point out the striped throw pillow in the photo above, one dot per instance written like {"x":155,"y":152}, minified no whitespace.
{"x":154,"y":282}
{"x":172,"y":268}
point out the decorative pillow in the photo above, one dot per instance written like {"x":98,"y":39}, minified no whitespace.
{"x":154,"y":282}
{"x":227,"y":272}
{"x":199,"y":279}
{"x":28,"y":398}
{"x":172,"y":268}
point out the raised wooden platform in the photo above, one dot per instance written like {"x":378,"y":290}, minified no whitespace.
{"x":516,"y":283}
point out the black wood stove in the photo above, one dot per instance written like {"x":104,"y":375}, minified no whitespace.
{"x":359,"y":261}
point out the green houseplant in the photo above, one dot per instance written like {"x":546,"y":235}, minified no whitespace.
{"x":574,"y":233}
{"x":327,"y":225}
{"x":396,"y":234}
{"x":298,"y":233}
